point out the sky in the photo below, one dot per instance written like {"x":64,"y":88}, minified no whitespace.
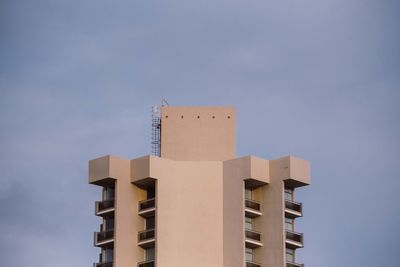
{"x":318,"y":79}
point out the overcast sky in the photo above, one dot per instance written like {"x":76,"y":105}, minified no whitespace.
{"x":318,"y":79}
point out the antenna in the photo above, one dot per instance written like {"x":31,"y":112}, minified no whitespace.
{"x":156,"y":131}
{"x":164,"y":102}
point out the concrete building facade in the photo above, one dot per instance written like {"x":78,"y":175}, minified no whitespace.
{"x":196,"y":204}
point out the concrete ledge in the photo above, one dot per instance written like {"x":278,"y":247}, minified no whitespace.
{"x":295,"y":172}
{"x":147,"y":167}
{"x":253,"y":170}
{"x":140,"y":168}
{"x":106,"y":169}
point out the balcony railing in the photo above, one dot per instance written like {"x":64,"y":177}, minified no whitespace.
{"x":251,"y":204}
{"x":147,"y":207}
{"x":252,"y":208}
{"x":146,"y":235}
{"x":147,"y":204}
{"x":254,"y":235}
{"x":295,"y":209}
{"x":293,"y":238}
{"x":292,"y":264}
{"x":252,"y":264}
{"x":103,"y":237}
{"x":148,"y":263}
{"x":253,"y":239}
{"x":147,"y":238}
{"x":104,"y":206}
{"x":103,"y":264}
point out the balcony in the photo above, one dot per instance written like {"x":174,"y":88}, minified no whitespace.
{"x":293,"y":209}
{"x":147,"y":238}
{"x":294,"y":239}
{"x":104,"y":238}
{"x":253,"y":239}
{"x":292,"y":264}
{"x":103,"y":264}
{"x":147,"y":208}
{"x":252,"y":208}
{"x":252,"y":264}
{"x":149,"y":263}
{"x":105,"y":207}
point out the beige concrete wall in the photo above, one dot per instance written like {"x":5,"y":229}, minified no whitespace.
{"x":272,"y":254}
{"x":198,"y":133}
{"x":294,"y":170}
{"x":259,"y":169}
{"x":189,"y":214}
{"x":140,"y":168}
{"x":300,"y":170}
{"x":127,"y":221}
{"x":99,"y":169}
{"x":147,"y":167}
{"x":233,"y":191}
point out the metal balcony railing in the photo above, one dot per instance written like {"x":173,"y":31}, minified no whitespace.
{"x":294,"y":237}
{"x":147,"y":204}
{"x":146,"y":235}
{"x":294,"y":206}
{"x":253,"y":264}
{"x":252,"y":204}
{"x":104,"y":205}
{"x":292,"y":264}
{"x":103,"y":236}
{"x":148,"y":263}
{"x":103,"y":264}
{"x":254,"y":235}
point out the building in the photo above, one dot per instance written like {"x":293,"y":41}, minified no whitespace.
{"x":195,"y":204}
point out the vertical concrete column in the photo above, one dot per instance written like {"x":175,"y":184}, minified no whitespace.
{"x":272,"y":254}
{"x":127,"y":221}
{"x":233,"y":209}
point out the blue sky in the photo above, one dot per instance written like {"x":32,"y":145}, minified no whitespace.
{"x":315,"y":79}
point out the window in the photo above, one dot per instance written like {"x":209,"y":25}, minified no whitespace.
{"x":108,"y":193}
{"x":289,"y":194}
{"x":150,"y":223}
{"x":289,"y":224}
{"x":248,"y":193}
{"x":290,"y":257}
{"x":248,"y":223}
{"x":107,"y":255}
{"x":249,"y":254}
{"x":150,"y":254}
{"x":109,"y":223}
{"x":151,"y":192}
